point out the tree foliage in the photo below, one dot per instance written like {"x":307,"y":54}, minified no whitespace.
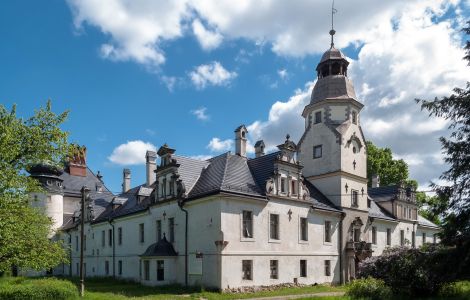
{"x":380,"y":162}
{"x":24,"y":230}
{"x":454,"y":198}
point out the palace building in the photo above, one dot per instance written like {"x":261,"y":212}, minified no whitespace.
{"x":302,"y":214}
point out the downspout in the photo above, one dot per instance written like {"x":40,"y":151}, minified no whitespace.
{"x":340,"y":248}
{"x":114,"y":248}
{"x":181,"y":204}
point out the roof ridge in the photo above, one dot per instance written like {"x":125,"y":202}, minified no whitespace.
{"x":94,"y":175}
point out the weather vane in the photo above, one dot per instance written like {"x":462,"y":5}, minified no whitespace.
{"x":332,"y":31}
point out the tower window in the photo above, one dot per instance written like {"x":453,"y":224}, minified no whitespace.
{"x":318,"y":117}
{"x":283,"y":185}
{"x":354,"y":117}
{"x":354,"y":198}
{"x":317,"y":151}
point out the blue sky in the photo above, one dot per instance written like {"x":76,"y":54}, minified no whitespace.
{"x":111,"y":64}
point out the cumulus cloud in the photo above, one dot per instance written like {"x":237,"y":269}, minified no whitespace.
{"x":131,"y":153}
{"x":200,"y":113}
{"x":207,"y":39}
{"x":211,"y":74}
{"x":218,"y":145}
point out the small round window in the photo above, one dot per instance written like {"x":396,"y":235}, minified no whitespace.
{"x":49,"y":182}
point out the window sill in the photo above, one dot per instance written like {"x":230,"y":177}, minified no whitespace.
{"x":274,"y":241}
{"x":328,"y":243}
{"x":303,"y":242}
{"x":244,"y":239}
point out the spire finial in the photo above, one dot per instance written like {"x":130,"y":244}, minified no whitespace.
{"x":332,"y":31}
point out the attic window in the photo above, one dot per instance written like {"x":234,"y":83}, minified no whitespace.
{"x":318,"y":117}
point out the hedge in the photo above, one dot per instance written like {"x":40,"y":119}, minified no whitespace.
{"x":20,"y":288}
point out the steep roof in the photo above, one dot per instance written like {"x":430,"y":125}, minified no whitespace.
{"x":383,"y":193}
{"x":376,"y":211}
{"x":425,"y":222}
{"x":73,"y":184}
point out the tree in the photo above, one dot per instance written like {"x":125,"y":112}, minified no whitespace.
{"x":454,"y":198}
{"x":380,"y":162}
{"x":24,"y":230}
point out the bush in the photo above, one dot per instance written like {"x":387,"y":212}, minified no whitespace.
{"x":456,"y":290}
{"x":368,"y":288}
{"x":413,"y":272}
{"x":20,"y":288}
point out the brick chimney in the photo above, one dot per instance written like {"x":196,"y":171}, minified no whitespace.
{"x":77,"y":160}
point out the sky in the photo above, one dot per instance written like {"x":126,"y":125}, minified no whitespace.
{"x":137,"y":74}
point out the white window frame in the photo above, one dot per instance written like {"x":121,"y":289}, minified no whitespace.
{"x":302,"y":241}
{"x":271,"y":240}
{"x":325,"y":242}
{"x":242,"y":237}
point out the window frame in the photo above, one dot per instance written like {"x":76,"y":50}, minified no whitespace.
{"x":146,"y":270}
{"x":274,"y":235}
{"x":274,"y":269}
{"x":315,"y":156}
{"x":119,"y":236}
{"x":303,"y":268}
{"x":402,"y":237}
{"x":354,"y":198}
{"x":247,"y":263}
{"x":303,"y":227}
{"x":354,"y":117}
{"x":110,"y":237}
{"x":171,"y":230}
{"x":119,"y":267}
{"x":389,"y":237}
{"x":374,"y":235}
{"x":247,"y":224}
{"x":141,"y":233}
{"x":158,"y":225}
{"x":317,"y":117}
{"x":327,"y":267}
{"x":160,"y":267}
{"x":327,"y":232}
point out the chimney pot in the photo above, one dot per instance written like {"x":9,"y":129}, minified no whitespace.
{"x":150,"y":158}
{"x":126,"y":180}
{"x":240,"y":140}
{"x":259,"y":148}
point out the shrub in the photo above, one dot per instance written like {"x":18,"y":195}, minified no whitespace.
{"x":415,"y":272}
{"x":37,"y":288}
{"x":368,"y":288}
{"x":456,"y":290}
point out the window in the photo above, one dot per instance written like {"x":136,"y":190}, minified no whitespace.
{"x":106,"y":267}
{"x":374,"y":235}
{"x":119,"y":235}
{"x":247,"y":268}
{"x":413,"y":239}
{"x":354,"y":117}
{"x":141,"y":232}
{"x":78,"y":269}
{"x":303,"y":229}
{"x":159,"y":230}
{"x":293,"y":189}
{"x":303,"y":268}
{"x":247,"y":224}
{"x":146,"y":270}
{"x":70,"y":239}
{"x":328,"y":231}
{"x":274,"y":226}
{"x":171,"y":229}
{"x":434,"y":238}
{"x":160,"y":270}
{"x":120,"y":267}
{"x":172,"y":187}
{"x":389,"y":237}
{"x":283,"y":184}
{"x":103,"y":239}
{"x":327,"y":268}
{"x":317,"y":151}
{"x":76,"y":243}
{"x":354,"y":198}
{"x":110,"y":237}
{"x":84,"y":242}
{"x":424,"y":237}
{"x":164,"y":187}
{"x":84,"y":269}
{"x":318,"y":117}
{"x":357,"y":234}
{"x":402,"y":237}
{"x":273,"y":266}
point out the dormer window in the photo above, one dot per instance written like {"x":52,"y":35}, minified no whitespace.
{"x":317,"y":117}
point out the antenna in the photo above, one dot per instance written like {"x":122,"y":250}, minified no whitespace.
{"x":332,"y":31}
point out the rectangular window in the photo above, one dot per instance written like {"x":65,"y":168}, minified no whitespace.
{"x":106,"y":267}
{"x":274,"y":226}
{"x":283,"y":185}
{"x":84,"y":269}
{"x":424,"y":237}
{"x":76,"y":243}
{"x":119,"y":235}
{"x":273,"y":266}
{"x":84,"y":242}
{"x":247,"y":269}
{"x":357,"y":234}
{"x":354,"y":198}
{"x":293,"y":188}
{"x":171,"y":229}
{"x":160,"y":270}
{"x":413,"y":239}
{"x":389,"y":237}
{"x":317,"y":151}
{"x":328,"y":231}
{"x":159,"y":230}
{"x":402,"y":237}
{"x":146,"y":270}
{"x":327,"y":268}
{"x":354,"y":117}
{"x":103,"y":238}
{"x":247,"y":224}
{"x":172,"y":187}
{"x":141,"y":233}
{"x":434,"y":238}
{"x":318,"y":117}
{"x":110,"y":237}
{"x":374,"y":235}
{"x":303,"y":268}
{"x":303,"y":229}
{"x":120,"y":267}
{"x":164,"y":187}
{"x":78,"y":269}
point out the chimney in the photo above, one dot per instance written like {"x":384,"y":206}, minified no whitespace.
{"x":126,"y":180}
{"x":240,"y":140}
{"x":259,"y":148}
{"x":77,"y":160}
{"x":150,"y":165}
{"x":375,"y":180}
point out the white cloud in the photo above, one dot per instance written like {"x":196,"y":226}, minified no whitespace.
{"x":131,"y":153}
{"x":211,"y":74}
{"x":283,"y":74}
{"x":207,"y":39}
{"x":201,"y":157}
{"x":200,"y":113}
{"x":218,"y":145}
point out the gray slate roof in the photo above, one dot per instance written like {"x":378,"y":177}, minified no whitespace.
{"x":376,"y":211}
{"x":425,"y":222}
{"x":160,"y":248}
{"x":73,"y":184}
{"x":332,"y":53}
{"x":383,"y":193}
{"x":333,"y":87}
